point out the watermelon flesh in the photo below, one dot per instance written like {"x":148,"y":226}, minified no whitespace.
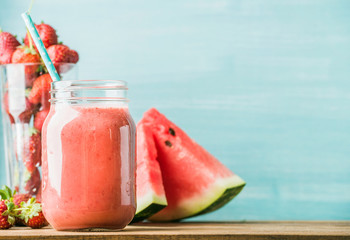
{"x":195,"y":182}
{"x":150,"y":193}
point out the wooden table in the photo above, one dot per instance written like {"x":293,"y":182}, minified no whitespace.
{"x":285,"y":230}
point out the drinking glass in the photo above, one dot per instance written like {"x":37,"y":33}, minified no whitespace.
{"x":25,"y":105}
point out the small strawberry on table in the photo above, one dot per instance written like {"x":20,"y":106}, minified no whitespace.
{"x":31,"y":213}
{"x":20,"y":209}
{"x":6,"y":219}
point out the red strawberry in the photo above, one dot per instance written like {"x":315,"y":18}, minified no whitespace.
{"x":37,"y":221}
{"x":32,"y":151}
{"x":62,"y":54}
{"x":47,"y":34}
{"x":33,"y":182}
{"x":8,"y":44}
{"x":40,"y":118}
{"x":31,"y":72}
{"x":32,"y":214}
{"x":26,"y":115}
{"x":18,"y":198}
{"x":21,"y":197}
{"x":24,"y":54}
{"x":59,"y":53}
{"x":74,"y":56}
{"x":6,"y":220}
{"x":40,"y":90}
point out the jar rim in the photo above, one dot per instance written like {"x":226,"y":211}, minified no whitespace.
{"x":88,"y":91}
{"x":68,"y":85}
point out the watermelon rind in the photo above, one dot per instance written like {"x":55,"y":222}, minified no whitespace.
{"x":218,"y":194}
{"x":149,"y":205}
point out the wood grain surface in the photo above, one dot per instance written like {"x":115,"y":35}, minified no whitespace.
{"x":198,"y":230}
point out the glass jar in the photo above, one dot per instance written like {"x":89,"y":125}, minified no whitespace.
{"x":88,"y":151}
{"x":25,"y":104}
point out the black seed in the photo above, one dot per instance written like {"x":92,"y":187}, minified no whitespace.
{"x":172,"y":131}
{"x":168,"y":143}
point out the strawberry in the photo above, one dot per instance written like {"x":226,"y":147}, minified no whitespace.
{"x":32,"y":71}
{"x":74,"y":56}
{"x":7,"y":208}
{"x":40,"y":118}
{"x":32,"y":214}
{"x":40,"y":90}
{"x":18,"y":198}
{"x":8,"y":44}
{"x":32,"y":181}
{"x":62,"y":54}
{"x":24,"y":54}
{"x":26,"y":115}
{"x":59,"y":53}
{"x":21,"y":197}
{"x":6,"y":219}
{"x":47,"y":34}
{"x":38,"y":221}
{"x":32,"y":150}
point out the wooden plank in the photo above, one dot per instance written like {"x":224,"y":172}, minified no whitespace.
{"x":199,"y":230}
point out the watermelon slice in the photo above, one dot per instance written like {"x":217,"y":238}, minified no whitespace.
{"x":195,"y":182}
{"x":150,"y":193}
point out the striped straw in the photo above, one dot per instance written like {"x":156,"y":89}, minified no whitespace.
{"x":40,"y":46}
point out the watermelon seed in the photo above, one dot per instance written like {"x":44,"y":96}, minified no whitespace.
{"x":172,"y":131}
{"x":168,"y":143}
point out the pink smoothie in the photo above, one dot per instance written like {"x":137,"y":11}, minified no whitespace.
{"x":88,"y":167}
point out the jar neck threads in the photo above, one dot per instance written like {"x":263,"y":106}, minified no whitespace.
{"x":88,"y":91}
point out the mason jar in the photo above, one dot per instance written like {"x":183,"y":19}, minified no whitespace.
{"x":88,"y":156}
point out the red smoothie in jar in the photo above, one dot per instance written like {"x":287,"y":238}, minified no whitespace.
{"x":88,"y":166}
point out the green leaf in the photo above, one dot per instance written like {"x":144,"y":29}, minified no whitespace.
{"x":3,"y":195}
{"x":10,"y":206}
{"x":11,"y":219}
{"x":29,"y":209}
{"x":6,"y":192}
{"x":5,"y":213}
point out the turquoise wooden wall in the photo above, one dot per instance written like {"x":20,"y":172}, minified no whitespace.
{"x":264,"y":85}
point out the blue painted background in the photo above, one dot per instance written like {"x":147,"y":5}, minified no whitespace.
{"x":264,"y":85}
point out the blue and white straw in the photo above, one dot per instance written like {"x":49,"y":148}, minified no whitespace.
{"x":40,"y":46}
